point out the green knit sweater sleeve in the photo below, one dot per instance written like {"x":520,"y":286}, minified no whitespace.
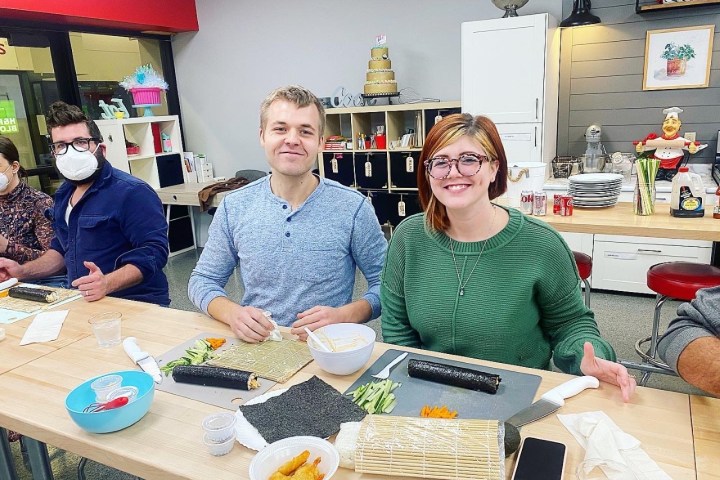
{"x":396,"y":326}
{"x":565,"y":319}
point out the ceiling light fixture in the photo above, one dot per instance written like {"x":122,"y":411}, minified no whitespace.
{"x":580,"y":15}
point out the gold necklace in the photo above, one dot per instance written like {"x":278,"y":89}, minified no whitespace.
{"x":462,"y":284}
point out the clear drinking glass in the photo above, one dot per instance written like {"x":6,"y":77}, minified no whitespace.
{"x":644,"y":198}
{"x":106,"y":327}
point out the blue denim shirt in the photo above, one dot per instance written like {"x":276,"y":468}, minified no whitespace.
{"x":118,"y":221}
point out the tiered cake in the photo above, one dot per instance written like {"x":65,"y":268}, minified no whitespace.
{"x":380,"y":79}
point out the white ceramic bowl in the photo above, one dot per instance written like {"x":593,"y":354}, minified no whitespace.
{"x":270,"y":458}
{"x":355,"y":341}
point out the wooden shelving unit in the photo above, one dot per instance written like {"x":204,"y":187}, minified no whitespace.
{"x":643,"y":6}
{"x":385,"y":175}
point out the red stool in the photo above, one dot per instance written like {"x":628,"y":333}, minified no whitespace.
{"x":584,"y":266}
{"x":678,"y":280}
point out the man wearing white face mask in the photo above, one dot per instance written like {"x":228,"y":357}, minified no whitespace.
{"x":110,"y":229}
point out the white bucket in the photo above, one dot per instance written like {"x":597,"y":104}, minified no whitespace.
{"x":524,"y":176}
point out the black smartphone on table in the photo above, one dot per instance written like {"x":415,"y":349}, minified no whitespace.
{"x":539,"y":459}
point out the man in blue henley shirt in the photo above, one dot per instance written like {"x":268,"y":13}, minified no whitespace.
{"x":297,"y":237}
{"x":110,"y":230}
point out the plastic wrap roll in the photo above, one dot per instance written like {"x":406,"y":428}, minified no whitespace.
{"x":454,"y":376}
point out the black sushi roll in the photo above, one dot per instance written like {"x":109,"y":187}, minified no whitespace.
{"x":215,"y":377}
{"x":454,"y":376}
{"x":34,"y":294}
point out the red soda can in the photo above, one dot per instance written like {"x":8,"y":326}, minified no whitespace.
{"x":566,"y":205}
{"x":556,"y":204}
{"x":526,"y":202}
{"x":540,"y":204}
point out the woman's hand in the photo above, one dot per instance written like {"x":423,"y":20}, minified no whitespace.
{"x":607,"y":371}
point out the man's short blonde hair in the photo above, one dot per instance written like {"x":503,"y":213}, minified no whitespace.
{"x":297,"y":95}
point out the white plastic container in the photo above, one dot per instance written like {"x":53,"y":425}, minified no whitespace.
{"x":524,"y":176}
{"x":219,"y":426}
{"x":686,"y":199}
{"x":219,"y":448}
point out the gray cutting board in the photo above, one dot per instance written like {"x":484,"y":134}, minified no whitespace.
{"x":516,"y":391}
{"x":222,"y":397}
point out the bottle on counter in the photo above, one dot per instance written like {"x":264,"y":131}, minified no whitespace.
{"x":716,"y":209}
{"x":687,"y":195}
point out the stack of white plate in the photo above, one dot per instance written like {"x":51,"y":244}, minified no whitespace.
{"x":595,"y":189}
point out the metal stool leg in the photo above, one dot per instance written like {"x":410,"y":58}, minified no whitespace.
{"x":7,"y":464}
{"x":652,"y":353}
{"x":39,"y":460}
{"x":81,"y":468}
{"x":587,"y":292}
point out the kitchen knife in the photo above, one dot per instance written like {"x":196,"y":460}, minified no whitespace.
{"x":552,"y":400}
{"x":143,"y":359}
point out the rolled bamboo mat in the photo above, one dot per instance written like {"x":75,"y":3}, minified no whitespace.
{"x":450,"y":449}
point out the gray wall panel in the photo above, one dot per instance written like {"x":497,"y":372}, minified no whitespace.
{"x":601,"y":67}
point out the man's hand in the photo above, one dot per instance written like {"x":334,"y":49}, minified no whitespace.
{"x":3,"y":243}
{"x":316,"y":317}
{"x":692,"y":148}
{"x":94,"y":285}
{"x":248,"y":323}
{"x":607,"y":371}
{"x":10,"y":269}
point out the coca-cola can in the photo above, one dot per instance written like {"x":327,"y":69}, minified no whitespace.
{"x":566,"y":205}
{"x":540,"y":204}
{"x":526,"y":202}
{"x":556,"y":203}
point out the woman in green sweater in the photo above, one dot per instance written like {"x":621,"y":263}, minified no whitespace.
{"x":471,"y":278}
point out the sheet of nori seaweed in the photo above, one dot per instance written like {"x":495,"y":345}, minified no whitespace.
{"x":310,"y":408}
{"x":454,"y":376}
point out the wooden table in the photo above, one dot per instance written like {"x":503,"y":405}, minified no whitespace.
{"x":620,"y":220}
{"x":174,"y":422}
{"x":187,"y":194}
{"x":706,"y":430}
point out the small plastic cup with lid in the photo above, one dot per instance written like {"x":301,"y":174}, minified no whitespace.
{"x":219,"y":448}
{"x":104,"y":385}
{"x":130,"y":391}
{"x":219,"y":426}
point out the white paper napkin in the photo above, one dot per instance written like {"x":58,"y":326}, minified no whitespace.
{"x":617,"y":453}
{"x":45,"y":327}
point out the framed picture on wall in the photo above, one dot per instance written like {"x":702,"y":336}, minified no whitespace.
{"x":678,"y":58}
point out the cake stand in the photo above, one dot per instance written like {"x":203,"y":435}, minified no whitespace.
{"x":147,"y":108}
{"x":374,"y":96}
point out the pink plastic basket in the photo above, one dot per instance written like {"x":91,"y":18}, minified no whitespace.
{"x":146,"y":96}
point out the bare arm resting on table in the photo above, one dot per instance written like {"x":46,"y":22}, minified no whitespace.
{"x":95,"y":285}
{"x":50,"y":263}
{"x":691,"y":344}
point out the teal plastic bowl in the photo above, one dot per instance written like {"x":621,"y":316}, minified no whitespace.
{"x":116,"y":419}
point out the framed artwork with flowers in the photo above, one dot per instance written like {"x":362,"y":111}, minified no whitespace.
{"x":678,"y":58}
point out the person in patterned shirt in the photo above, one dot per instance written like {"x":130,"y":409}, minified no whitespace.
{"x":25,"y":229}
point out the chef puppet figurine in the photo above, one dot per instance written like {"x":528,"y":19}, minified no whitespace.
{"x":670,"y":146}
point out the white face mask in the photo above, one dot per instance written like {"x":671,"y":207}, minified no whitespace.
{"x":76,"y":165}
{"x":4,"y":180}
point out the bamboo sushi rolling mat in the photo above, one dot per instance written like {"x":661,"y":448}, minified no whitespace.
{"x":276,"y":361}
{"x":430,"y":448}
{"x":29,"y":306}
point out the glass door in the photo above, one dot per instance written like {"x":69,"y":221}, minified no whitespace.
{"x":27,"y":88}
